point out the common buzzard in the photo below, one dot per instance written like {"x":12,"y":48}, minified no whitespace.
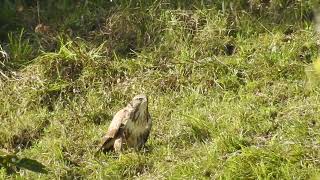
{"x":129,"y":128}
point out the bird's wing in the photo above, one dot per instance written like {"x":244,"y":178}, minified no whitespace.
{"x":119,"y":120}
{"x":116,"y":123}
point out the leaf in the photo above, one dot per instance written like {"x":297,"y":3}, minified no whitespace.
{"x":31,"y":165}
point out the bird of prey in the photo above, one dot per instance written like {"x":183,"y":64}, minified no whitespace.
{"x":129,"y":128}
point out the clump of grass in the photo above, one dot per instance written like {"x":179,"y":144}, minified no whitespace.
{"x":226,"y":86}
{"x":201,"y":128}
{"x":128,"y":31}
{"x":20,"y":50}
{"x":266,"y":162}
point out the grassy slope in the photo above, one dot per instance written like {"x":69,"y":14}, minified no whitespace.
{"x":229,"y":93}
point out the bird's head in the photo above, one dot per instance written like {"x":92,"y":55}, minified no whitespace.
{"x":140,"y":101}
{"x":140,"y":105}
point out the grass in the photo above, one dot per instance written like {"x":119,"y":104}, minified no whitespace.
{"x":233,"y":88}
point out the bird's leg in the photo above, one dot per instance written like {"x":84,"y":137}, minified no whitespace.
{"x":139,"y":146}
{"x":118,"y":144}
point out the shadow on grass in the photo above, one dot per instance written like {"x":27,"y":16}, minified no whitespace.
{"x":12,"y":164}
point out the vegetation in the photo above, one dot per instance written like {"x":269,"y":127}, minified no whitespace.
{"x":11,"y":163}
{"x":233,"y":90}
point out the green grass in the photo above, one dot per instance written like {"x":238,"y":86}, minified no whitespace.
{"x":232,"y":88}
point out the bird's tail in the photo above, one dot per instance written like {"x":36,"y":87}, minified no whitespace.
{"x":98,"y":151}
{"x":104,"y":146}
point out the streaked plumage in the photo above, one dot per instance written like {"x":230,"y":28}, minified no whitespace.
{"x":130,"y":127}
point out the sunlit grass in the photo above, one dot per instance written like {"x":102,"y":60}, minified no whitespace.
{"x":233,"y":94}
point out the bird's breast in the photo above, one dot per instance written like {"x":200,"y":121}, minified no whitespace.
{"x":134,"y":131}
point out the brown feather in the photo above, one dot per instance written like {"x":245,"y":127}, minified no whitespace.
{"x":130,"y":126}
{"x":119,"y":119}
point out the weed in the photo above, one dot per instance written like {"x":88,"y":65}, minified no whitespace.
{"x":233,"y":87}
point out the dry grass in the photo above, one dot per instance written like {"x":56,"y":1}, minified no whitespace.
{"x":233,"y":93}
